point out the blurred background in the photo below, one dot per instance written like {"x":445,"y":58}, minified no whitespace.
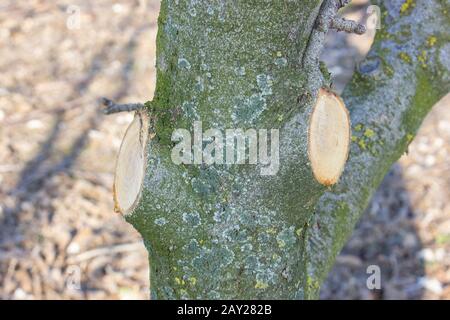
{"x":59,"y":236}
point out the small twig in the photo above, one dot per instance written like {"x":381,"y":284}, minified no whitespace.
{"x":326,"y":19}
{"x":349,"y":26}
{"x":114,"y":249}
{"x":112,"y":107}
{"x":7,"y":168}
{"x":316,"y":40}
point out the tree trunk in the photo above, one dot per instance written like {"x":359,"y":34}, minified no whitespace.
{"x":226,"y":231}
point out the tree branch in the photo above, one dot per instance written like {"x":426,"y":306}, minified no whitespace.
{"x":391,"y":92}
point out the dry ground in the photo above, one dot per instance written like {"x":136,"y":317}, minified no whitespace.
{"x":59,"y":237}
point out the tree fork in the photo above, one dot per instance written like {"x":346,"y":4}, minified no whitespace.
{"x":226,"y":231}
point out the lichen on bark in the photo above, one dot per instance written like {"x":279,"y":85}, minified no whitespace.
{"x":226,"y":231}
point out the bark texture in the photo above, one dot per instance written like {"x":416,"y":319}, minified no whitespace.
{"x":228,"y":232}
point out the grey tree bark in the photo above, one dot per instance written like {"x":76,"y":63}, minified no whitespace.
{"x":228,"y":232}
